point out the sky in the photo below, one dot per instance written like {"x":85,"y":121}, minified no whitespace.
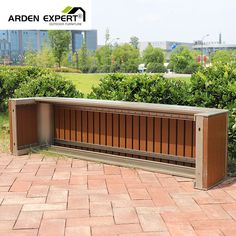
{"x":160,"y":20}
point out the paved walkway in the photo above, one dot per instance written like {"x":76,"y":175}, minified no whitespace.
{"x":54,"y":197}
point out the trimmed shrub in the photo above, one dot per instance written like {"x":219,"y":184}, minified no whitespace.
{"x":156,"y":68}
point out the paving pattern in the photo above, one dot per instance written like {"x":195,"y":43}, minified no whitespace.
{"x":47,"y":196}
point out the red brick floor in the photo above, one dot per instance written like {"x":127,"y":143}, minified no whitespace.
{"x":64,"y":197}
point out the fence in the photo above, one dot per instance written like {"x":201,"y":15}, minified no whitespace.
{"x":185,"y":141}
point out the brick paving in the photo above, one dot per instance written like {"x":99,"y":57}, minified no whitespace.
{"x":42,"y":196}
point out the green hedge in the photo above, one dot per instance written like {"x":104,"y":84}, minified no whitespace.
{"x":32,"y":81}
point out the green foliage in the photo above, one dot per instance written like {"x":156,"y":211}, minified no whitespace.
{"x":224,"y":56}
{"x":125,"y":58}
{"x":103,"y":57}
{"x":134,"y":41}
{"x":141,"y":88}
{"x":216,"y":87}
{"x":43,"y":58}
{"x":83,"y":59}
{"x":183,"y":61}
{"x":47,"y":86}
{"x":59,"y":40}
{"x":153,"y":55}
{"x":18,"y":80}
{"x":156,"y":68}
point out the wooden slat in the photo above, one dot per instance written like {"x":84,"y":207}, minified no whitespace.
{"x":84,"y":126}
{"x":115,"y":130}
{"x":143,"y":137}
{"x":96,"y":128}
{"x":79,"y":126}
{"x":165,"y":136}
{"x":136,"y":132}
{"x":129,"y":133}
{"x":90,"y":127}
{"x":122,"y":131}
{"x":73,"y":125}
{"x":157,"y":135}
{"x":173,"y":143}
{"x":57,"y":123}
{"x":180,"y":138}
{"x":67,"y":125}
{"x":109,"y":129}
{"x":188,"y":138}
{"x":150,"y":135}
{"x":103,"y":128}
{"x":62,"y":123}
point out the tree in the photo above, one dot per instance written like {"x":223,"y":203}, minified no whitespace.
{"x":224,"y":56}
{"x":107,"y":36}
{"x":59,"y":40}
{"x":153,"y":55}
{"x":103,"y":56}
{"x":83,"y":58}
{"x":182,"y":60}
{"x":134,"y":41}
{"x":125,"y":58}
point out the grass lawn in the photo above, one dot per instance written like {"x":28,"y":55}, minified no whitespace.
{"x":4,"y":133}
{"x":83,"y":82}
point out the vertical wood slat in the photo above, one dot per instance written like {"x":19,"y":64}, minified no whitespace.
{"x":96,"y":127}
{"x":129,"y":133}
{"x":62,"y":124}
{"x":157,"y":135}
{"x":180,"y":138}
{"x":84,"y":126}
{"x":73,"y":125}
{"x":173,"y":133}
{"x":90,"y":127}
{"x":109,"y":130}
{"x":79,"y":126}
{"x":122,"y":131}
{"x":150,"y":135}
{"x":165,"y":136}
{"x":67,"y":125}
{"x":57,"y":123}
{"x":136,"y":131}
{"x":188,"y":138}
{"x":103,"y":128}
{"x":143,"y":133}
{"x":115,"y":130}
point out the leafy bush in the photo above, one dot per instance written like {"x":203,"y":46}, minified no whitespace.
{"x":156,"y":68}
{"x":141,"y":88}
{"x":17,"y":79}
{"x":216,"y":87}
{"x":47,"y":87}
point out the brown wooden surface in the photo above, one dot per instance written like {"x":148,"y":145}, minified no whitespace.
{"x":180,"y":138}
{"x":157,"y":135}
{"x":96,"y":128}
{"x":136,"y":132}
{"x":188,"y":139}
{"x":150,"y":134}
{"x":129,"y":133}
{"x":67,"y":125}
{"x":79,"y":126}
{"x":122,"y":131}
{"x":62,"y":123}
{"x":73,"y":125}
{"x":57,"y":123}
{"x":109,"y":129}
{"x":214,"y":149}
{"x":115,"y":130}
{"x":103,"y":128}
{"x":165,"y":136}
{"x":10,"y":125}
{"x":173,"y":137}
{"x":84,"y":126}
{"x":90,"y":126}
{"x":143,"y":137}
{"x":26,"y":125}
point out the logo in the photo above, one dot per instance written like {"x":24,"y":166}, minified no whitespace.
{"x":72,"y":10}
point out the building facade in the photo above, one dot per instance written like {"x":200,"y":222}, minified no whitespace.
{"x":14,"y":43}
